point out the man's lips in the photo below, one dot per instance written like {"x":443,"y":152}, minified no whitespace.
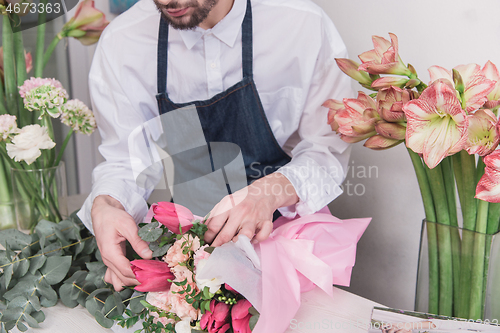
{"x":177,"y":12}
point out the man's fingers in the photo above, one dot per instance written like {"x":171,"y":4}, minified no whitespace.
{"x":247,"y":229}
{"x":215,"y":225}
{"x":226,"y":233}
{"x":140,"y":247}
{"x":265,"y":229}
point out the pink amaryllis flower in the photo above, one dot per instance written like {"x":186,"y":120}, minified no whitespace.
{"x":483,"y":137}
{"x":476,"y":85}
{"x":152,"y":274}
{"x":87,"y":24}
{"x":216,"y":320}
{"x":384,"y":58}
{"x":356,"y":121}
{"x":174,"y":217}
{"x":241,"y":317}
{"x":488,"y":188}
{"x":390,"y":103}
{"x":490,"y":71}
{"x":436,"y":123}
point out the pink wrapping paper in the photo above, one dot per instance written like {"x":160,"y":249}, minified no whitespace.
{"x":317,"y":249}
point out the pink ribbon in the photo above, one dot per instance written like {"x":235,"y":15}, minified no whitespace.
{"x":301,"y":253}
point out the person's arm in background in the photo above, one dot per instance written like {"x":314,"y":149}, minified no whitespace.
{"x":319,"y":161}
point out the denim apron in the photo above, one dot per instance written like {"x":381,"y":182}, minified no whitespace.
{"x":235,"y":116}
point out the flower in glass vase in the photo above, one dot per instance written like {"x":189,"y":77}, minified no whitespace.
{"x":28,"y":142}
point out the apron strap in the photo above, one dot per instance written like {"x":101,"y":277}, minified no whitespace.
{"x":247,"y":49}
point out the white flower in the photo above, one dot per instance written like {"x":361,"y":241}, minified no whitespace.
{"x":183,"y":326}
{"x":46,"y":99}
{"x":213,"y":284}
{"x":78,"y":116}
{"x":26,"y":145}
{"x":8,"y":126}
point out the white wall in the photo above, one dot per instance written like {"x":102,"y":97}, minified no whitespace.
{"x":431,"y":32}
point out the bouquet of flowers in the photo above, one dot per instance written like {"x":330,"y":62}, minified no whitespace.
{"x":446,"y":125}
{"x":193,"y":286}
{"x":27,"y":106}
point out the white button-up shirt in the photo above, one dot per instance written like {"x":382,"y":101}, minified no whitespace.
{"x":295,"y":45}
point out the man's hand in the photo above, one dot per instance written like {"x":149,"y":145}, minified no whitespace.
{"x":250,"y":211}
{"x":112,"y":227}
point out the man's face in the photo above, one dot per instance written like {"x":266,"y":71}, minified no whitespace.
{"x":185,"y":14}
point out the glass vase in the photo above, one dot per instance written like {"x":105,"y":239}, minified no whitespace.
{"x":474,"y":282}
{"x":39,"y":194}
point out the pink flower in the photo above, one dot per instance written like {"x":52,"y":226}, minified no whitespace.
{"x":334,"y":107}
{"x":476,"y":85}
{"x":8,"y":126}
{"x":357,"y":121}
{"x":436,"y":123}
{"x":172,"y":216}
{"x":490,"y":71}
{"x":178,"y":302}
{"x":241,"y":317}
{"x":482,"y":132}
{"x":390,"y":103}
{"x":229,"y":288}
{"x":160,"y":300}
{"x":201,"y":254}
{"x":216,"y":319}
{"x":488,"y":188}
{"x":36,"y":82}
{"x":175,"y":253}
{"x":182,"y":273}
{"x":384,"y":58}
{"x":87,"y":24}
{"x":379,"y":142}
{"x":152,"y":274}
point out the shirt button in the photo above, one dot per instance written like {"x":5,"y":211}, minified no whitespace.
{"x":213,"y":65}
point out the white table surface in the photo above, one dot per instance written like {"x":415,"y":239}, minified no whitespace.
{"x":345,"y":312}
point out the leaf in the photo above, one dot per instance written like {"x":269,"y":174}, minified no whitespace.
{"x":135,"y":304}
{"x":94,"y":305}
{"x":39,"y":316}
{"x":67,"y":296}
{"x":159,"y":251}
{"x":30,"y":320}
{"x":103,"y":321}
{"x":43,"y":229}
{"x":96,"y":273}
{"x":35,"y":302}
{"x":77,"y":278}
{"x":36,"y":263}
{"x":11,"y":314}
{"x":19,"y":302}
{"x":17,"y":239}
{"x":150,"y":232}
{"x":49,"y":296}
{"x":55,"y":269}
{"x":131,"y":321}
{"x":7,"y":273}
{"x":21,"y":288}
{"x":21,"y":269}
{"x":21,"y":326}
{"x":253,"y":321}
{"x":52,"y":249}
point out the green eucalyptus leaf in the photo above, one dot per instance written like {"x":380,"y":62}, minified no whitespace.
{"x":4,"y":259}
{"x":55,"y":269}
{"x":17,"y":240}
{"x":126,"y":293}
{"x":21,"y":326}
{"x":150,"y":232}
{"x":11,"y":314}
{"x":52,"y":249}
{"x":49,"y":296}
{"x":253,"y":321}
{"x":35,"y":302}
{"x":103,"y":321}
{"x":131,"y":321}
{"x":77,"y":278}
{"x":32,"y":322}
{"x":97,"y":270}
{"x":21,"y":268}
{"x":157,"y":250}
{"x":36,"y":263}
{"x":39,"y":316}
{"x":67,"y":296}
{"x":82,"y":296}
{"x":19,"y":302}
{"x":45,"y":231}
{"x":135,"y":304}
{"x":21,"y":288}
{"x":7,"y":273}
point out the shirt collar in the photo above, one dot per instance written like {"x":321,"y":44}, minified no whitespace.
{"x":226,"y":30}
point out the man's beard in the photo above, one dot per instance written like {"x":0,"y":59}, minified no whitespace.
{"x":200,"y":13}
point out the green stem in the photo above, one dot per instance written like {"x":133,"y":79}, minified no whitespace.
{"x":40,"y":41}
{"x":457,"y":169}
{"x":5,"y":188}
{"x":423,"y":184}
{"x":477,"y":278}
{"x":49,"y":155}
{"x":65,"y":143}
{"x":3,"y":109}
{"x":11,"y":92}
{"x":469,"y":203}
{"x":436,"y":181}
{"x":24,"y":115}
{"x":493,"y":218}
{"x":50,"y":49}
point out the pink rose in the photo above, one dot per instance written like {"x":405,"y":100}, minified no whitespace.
{"x":241,"y":316}
{"x":160,"y":300}
{"x":173,"y":216}
{"x":175,"y":253}
{"x":216,"y":319}
{"x":152,"y":274}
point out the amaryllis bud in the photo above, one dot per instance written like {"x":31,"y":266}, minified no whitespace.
{"x":391,"y":130}
{"x":378,"y":142}
{"x":388,"y":81}
{"x":87,"y":24}
{"x":350,"y":68}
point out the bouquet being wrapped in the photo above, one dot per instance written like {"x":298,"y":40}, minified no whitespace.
{"x":234,"y":288}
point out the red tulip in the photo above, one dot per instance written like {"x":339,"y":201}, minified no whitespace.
{"x":241,"y":316}
{"x":172,"y":216}
{"x":152,"y":274}
{"x":87,"y":24}
{"x":215,"y":320}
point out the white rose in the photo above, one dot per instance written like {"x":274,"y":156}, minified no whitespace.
{"x":8,"y":126}
{"x":183,"y":326}
{"x":212,"y":284}
{"x":26,"y":145}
